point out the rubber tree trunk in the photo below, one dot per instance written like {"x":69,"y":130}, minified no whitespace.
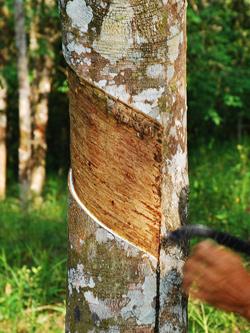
{"x":3,"y":131}
{"x":24,"y":102}
{"x":41,"y":88}
{"x":40,"y":122}
{"x":129,"y":180}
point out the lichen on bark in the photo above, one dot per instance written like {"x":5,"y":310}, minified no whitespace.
{"x":110,"y":283}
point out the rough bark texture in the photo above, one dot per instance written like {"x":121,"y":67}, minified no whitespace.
{"x":3,"y":129}
{"x":124,"y":160}
{"x":129,"y":163}
{"x":24,"y":102}
{"x":111,"y":284}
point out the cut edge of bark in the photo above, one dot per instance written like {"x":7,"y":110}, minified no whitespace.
{"x":126,"y":197}
{"x":95,"y":219}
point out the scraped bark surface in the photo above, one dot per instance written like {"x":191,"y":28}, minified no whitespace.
{"x":118,"y":174}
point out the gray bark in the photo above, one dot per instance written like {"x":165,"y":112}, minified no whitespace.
{"x":3,"y":131}
{"x":24,"y":102}
{"x":41,"y":88}
{"x":41,"y":113}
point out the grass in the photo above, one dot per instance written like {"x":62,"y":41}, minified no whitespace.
{"x":220,"y":187}
{"x":34,"y":243}
{"x":33,"y":263}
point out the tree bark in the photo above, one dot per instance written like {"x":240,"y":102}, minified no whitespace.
{"x":41,"y":88}
{"x":3,"y":131}
{"x":40,"y":122}
{"x":129,"y":180}
{"x":24,"y":106}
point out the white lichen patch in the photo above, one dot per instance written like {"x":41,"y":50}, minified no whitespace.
{"x":139,"y":39}
{"x":101,"y":84}
{"x":170,"y":73}
{"x":87,"y":61}
{"x":171,"y":260}
{"x":147,"y":100}
{"x":119,"y":92}
{"x":155,"y":71}
{"x":175,"y":199}
{"x":141,"y":300}
{"x":143,"y":106}
{"x":169,"y":327}
{"x":176,"y":165}
{"x":174,"y":30}
{"x":149,"y":95}
{"x":173,"y":46}
{"x":77,"y":48}
{"x":116,"y":33}
{"x":78,"y":278}
{"x":103,"y":236}
{"x":173,"y":132}
{"x":80,"y":14}
{"x":178,"y":123}
{"x":131,"y":250}
{"x":112,"y":329}
{"x":98,"y":306}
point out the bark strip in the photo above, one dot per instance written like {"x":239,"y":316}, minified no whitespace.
{"x":118,"y":174}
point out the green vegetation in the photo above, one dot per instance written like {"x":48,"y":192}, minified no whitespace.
{"x":33,"y":263}
{"x":218,"y":67}
{"x":220,"y":186}
{"x":34,"y":243}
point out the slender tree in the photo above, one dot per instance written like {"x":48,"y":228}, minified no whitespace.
{"x":3,"y":130}
{"x":40,"y":122}
{"x":41,"y":87}
{"x":128,"y":181}
{"x":25,"y":132}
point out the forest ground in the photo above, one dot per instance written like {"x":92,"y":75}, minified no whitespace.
{"x":34,"y":243}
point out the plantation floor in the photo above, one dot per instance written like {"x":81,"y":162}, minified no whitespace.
{"x":34,"y":243}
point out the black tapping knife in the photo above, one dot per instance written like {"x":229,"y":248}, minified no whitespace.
{"x":190,"y":231}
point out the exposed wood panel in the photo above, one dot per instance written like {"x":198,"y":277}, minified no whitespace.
{"x":117,"y":159}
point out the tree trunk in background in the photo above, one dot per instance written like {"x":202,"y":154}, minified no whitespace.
{"x":3,"y":130}
{"x":40,"y":121}
{"x":24,"y":103}
{"x":129,"y":180}
{"x":41,"y":88}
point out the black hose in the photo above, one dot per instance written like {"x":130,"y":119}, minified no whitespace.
{"x":223,"y":238}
